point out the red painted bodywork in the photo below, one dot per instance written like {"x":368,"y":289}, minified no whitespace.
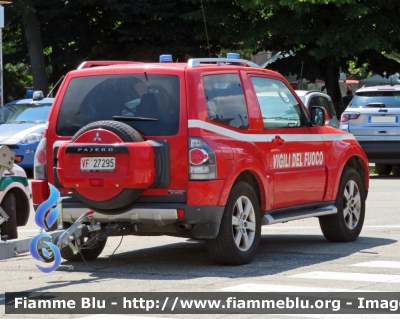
{"x":279,"y":187}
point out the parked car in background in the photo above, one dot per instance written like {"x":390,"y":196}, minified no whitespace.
{"x":22,"y":125}
{"x":14,"y":195}
{"x":373,"y":118}
{"x":317,"y":98}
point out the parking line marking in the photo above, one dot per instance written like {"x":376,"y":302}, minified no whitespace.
{"x":331,"y":275}
{"x":379,"y":264}
{"x":119,"y":317}
{"x":344,"y":316}
{"x":283,"y":288}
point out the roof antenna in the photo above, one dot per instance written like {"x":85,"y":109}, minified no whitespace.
{"x":48,"y":95}
{"x":301,"y":76}
{"x":205,"y":27}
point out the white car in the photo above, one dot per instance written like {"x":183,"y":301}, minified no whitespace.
{"x":373,"y":118}
{"x":317,"y":98}
{"x":14,"y":197}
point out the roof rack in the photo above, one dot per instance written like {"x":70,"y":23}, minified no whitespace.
{"x":91,"y":64}
{"x":192,"y":63}
{"x":313,"y":91}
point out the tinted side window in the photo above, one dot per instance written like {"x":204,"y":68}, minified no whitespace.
{"x":278,"y":105}
{"x":149,"y":104}
{"x":225,"y":100}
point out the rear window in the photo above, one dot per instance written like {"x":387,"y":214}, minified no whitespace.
{"x":147,"y":102}
{"x":376,"y":99}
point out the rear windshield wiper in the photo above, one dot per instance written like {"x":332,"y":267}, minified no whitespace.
{"x":377,"y":104}
{"x":133,"y":118}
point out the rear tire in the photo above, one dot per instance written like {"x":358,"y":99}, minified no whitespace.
{"x":128,"y":195}
{"x":240,"y":231}
{"x":88,"y":254}
{"x":346,"y":224}
{"x":9,"y":228}
{"x":383,"y":169}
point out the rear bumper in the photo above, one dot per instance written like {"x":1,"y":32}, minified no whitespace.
{"x":385,"y":152}
{"x":205,"y":220}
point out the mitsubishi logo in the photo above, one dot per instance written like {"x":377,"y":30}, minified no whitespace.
{"x":97,"y":137}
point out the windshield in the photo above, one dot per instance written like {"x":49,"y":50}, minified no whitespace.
{"x":376,"y":98}
{"x":147,"y":102}
{"x":24,"y":113}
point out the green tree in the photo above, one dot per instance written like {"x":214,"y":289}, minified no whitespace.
{"x":326,"y":35}
{"x":140,"y":30}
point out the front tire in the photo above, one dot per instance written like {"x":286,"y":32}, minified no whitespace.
{"x":240,"y":231}
{"x":346,"y":225}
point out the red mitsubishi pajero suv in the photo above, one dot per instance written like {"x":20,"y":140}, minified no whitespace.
{"x":210,"y":149}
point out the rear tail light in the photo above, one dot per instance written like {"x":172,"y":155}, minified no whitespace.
{"x":39,"y":165}
{"x":349,"y":116}
{"x":181,"y":213}
{"x":96,"y":182}
{"x":202,"y":162}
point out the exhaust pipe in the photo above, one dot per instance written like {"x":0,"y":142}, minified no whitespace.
{"x":185,"y":226}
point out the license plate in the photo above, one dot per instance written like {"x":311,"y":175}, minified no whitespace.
{"x":104,"y":164}
{"x":383,"y":119}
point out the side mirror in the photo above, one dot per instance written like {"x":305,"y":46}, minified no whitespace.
{"x":319,"y":116}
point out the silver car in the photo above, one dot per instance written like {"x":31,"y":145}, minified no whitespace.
{"x":373,"y":118}
{"x":317,"y":98}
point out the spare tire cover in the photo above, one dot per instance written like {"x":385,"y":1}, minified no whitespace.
{"x":127,"y":196}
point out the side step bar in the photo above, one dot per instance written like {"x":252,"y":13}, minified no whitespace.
{"x":268,"y":219}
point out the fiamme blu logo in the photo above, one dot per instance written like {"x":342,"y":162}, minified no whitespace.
{"x":45,"y":220}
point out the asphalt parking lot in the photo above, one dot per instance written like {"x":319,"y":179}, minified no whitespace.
{"x":293,"y":256}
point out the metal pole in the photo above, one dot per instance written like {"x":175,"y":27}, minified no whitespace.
{"x":1,"y":53}
{"x":1,"y":66}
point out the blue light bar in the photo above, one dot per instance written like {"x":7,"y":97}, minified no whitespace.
{"x":29,"y":94}
{"x":165,"y":58}
{"x":232,"y":55}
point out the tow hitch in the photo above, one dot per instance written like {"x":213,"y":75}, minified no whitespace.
{"x":78,"y":230}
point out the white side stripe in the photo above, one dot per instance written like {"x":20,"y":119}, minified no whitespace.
{"x":268,"y":137}
{"x":338,"y":137}
{"x":224,"y":131}
{"x":379,"y":264}
{"x":349,"y":276}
